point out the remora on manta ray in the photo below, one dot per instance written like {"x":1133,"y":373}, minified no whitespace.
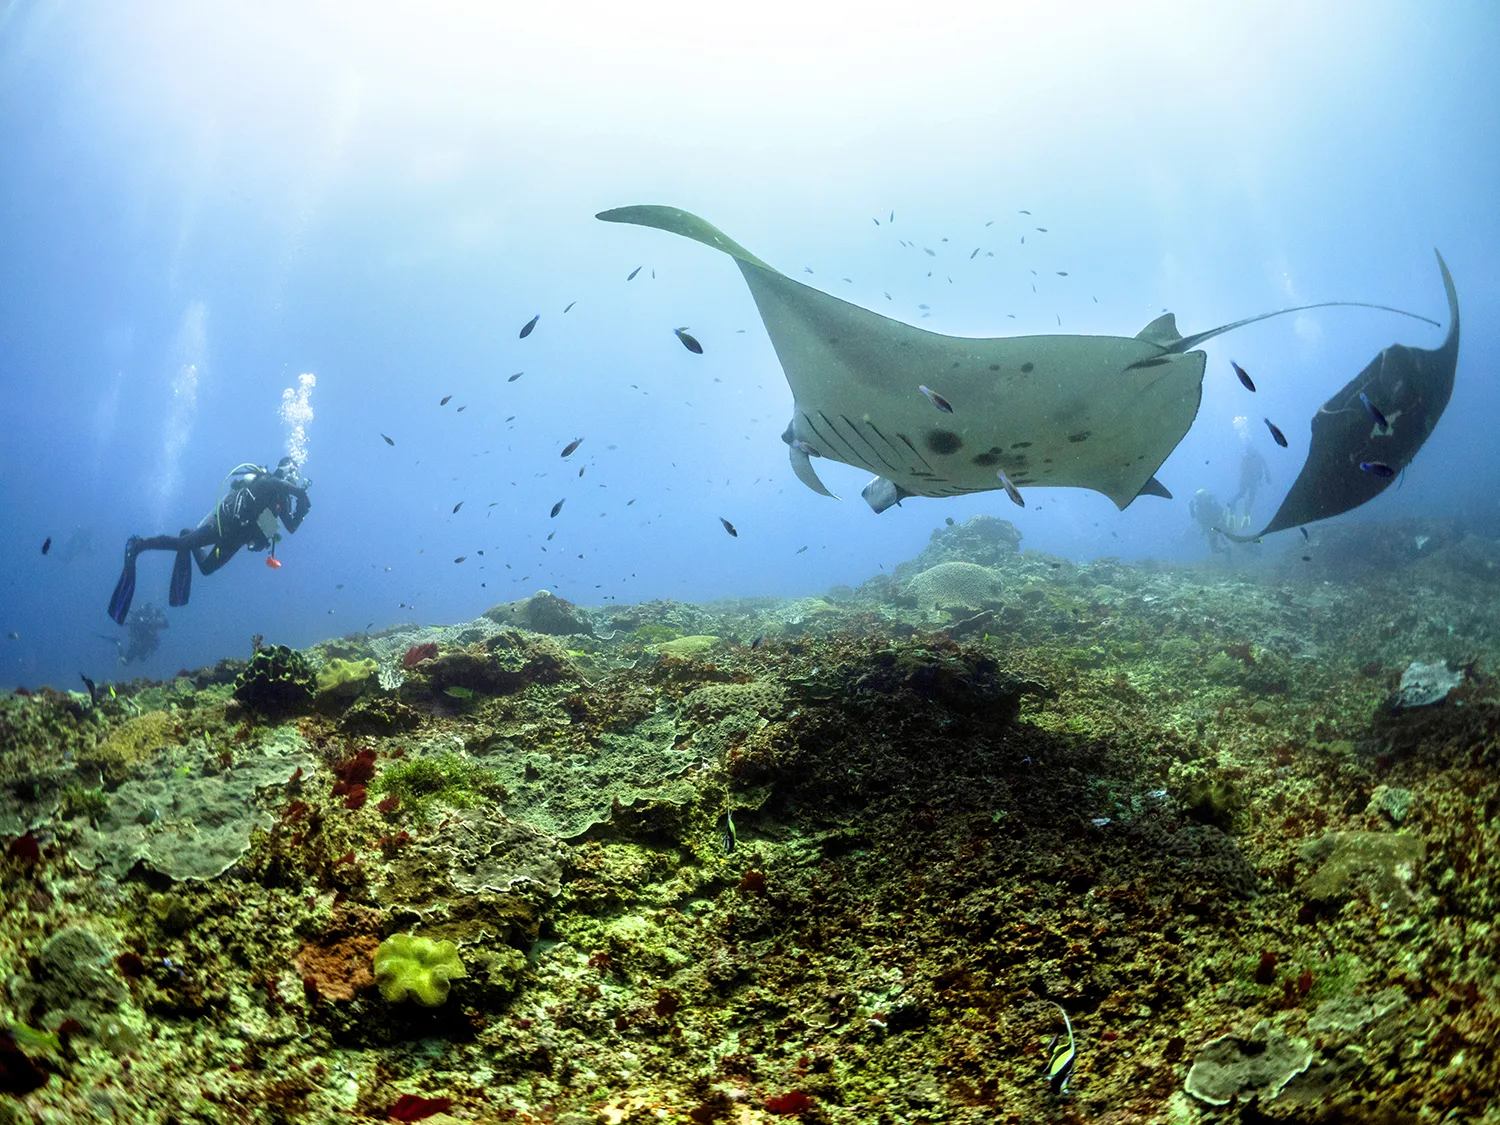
{"x":1097,"y":412}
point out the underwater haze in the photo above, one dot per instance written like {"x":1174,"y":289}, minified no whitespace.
{"x":458,"y":666}
{"x":203,"y":205}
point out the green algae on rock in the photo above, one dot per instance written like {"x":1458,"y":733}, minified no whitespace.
{"x":418,"y":968}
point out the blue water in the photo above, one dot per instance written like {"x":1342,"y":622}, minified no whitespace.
{"x":199,"y":205}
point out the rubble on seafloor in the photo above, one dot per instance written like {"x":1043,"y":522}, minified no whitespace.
{"x":828,"y":859}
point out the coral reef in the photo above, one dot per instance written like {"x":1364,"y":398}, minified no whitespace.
{"x":834,"y":860}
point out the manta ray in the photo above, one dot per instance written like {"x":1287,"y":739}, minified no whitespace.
{"x":935,"y":415}
{"x":1357,"y":451}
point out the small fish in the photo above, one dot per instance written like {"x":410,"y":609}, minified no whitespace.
{"x":937,"y":400}
{"x":799,"y":550}
{"x":1374,"y":413}
{"x":931,"y":253}
{"x":809,"y":450}
{"x":13,"y":635}
{"x":1306,"y":538}
{"x":975,"y":254}
{"x":557,"y":508}
{"x":1062,"y":273}
{"x":571,"y":447}
{"x":460,"y":558}
{"x":47,"y":544}
{"x":1275,"y":432}
{"x":807,"y":269}
{"x":729,"y":527}
{"x":445,"y":400}
{"x":516,"y":376}
{"x":1011,"y":490}
{"x":460,"y":410}
{"x":1379,"y":468}
{"x":456,"y":692}
{"x":550,"y":534}
{"x":922,"y":307}
{"x":1060,"y":1069}
{"x":688,"y":342}
{"x":529,"y":325}
{"x":1307,"y":558}
{"x":729,"y":837}
{"x":581,"y":468}
{"x":388,"y":441}
{"x":893,"y":217}
{"x":1042,"y":229}
{"x":874,"y":220}
{"x":1244,"y":376}
{"x":570,"y":305}
{"x":631,"y":275}
{"x":457,"y":506}
{"x":1023,"y":212}
{"x":340,"y":586}
{"x":88,"y":683}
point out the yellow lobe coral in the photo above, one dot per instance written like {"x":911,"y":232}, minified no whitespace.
{"x":346,"y":676}
{"x":416,"y":967}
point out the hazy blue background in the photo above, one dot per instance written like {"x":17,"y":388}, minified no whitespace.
{"x":200,"y":202}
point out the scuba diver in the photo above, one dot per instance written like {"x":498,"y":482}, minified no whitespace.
{"x":145,"y":626}
{"x":1208,"y":513}
{"x":245,"y":516}
{"x":1253,"y":471}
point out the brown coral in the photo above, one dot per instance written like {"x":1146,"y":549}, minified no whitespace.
{"x":338,"y":970}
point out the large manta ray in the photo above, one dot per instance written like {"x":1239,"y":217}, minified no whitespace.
{"x":1097,"y":412}
{"x":1353,"y":458}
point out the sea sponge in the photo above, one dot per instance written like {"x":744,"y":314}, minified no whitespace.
{"x":416,"y":967}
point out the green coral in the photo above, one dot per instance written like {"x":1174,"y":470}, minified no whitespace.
{"x":446,"y":779}
{"x":1213,"y":798}
{"x":687,"y":648}
{"x":345,"y":677}
{"x":132,"y":742}
{"x":407,"y":966}
{"x":276,"y":682}
{"x":80,"y":801}
{"x":652,"y":633}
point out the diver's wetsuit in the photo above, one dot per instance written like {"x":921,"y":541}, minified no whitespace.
{"x":235,"y":522}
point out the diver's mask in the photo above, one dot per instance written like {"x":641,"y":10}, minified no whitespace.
{"x":286,"y":470}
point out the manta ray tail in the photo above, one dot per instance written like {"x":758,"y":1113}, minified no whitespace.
{"x":1188,"y":342}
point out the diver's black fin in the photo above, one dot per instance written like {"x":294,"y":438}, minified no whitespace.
{"x":182,"y":578}
{"x":119,"y":601}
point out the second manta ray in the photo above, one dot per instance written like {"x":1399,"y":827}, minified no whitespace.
{"x":1096,"y":412}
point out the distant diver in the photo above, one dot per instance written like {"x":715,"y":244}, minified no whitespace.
{"x":1208,"y":513}
{"x":1253,"y":471}
{"x":245,"y":516}
{"x":145,"y":624}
